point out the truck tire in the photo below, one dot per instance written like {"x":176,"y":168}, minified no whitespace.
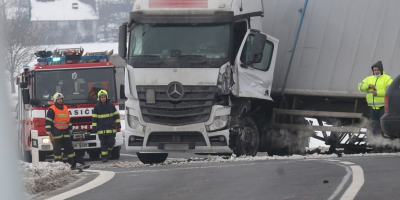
{"x":152,"y":158}
{"x":42,"y":156}
{"x":115,"y":153}
{"x":247,"y":140}
{"x":26,"y":156}
{"x":80,"y":153}
{"x":94,"y":155}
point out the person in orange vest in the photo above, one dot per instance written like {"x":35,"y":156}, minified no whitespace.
{"x":59,"y":128}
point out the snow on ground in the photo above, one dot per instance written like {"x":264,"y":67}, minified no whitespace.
{"x":227,"y":159}
{"x":46,"y":176}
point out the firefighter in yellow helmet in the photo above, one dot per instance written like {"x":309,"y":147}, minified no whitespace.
{"x":105,"y":122}
{"x":375,"y":86}
{"x":59,"y":128}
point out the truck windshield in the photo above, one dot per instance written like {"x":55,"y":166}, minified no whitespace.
{"x":179,"y":40}
{"x":77,"y":86}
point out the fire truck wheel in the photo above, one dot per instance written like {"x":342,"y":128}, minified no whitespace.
{"x":94,"y":155}
{"x":115,"y":153}
{"x":80,"y":153}
{"x":152,"y":158}
{"x":42,"y":156}
{"x":26,"y":156}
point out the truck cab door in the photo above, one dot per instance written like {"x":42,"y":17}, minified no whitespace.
{"x":253,"y":76}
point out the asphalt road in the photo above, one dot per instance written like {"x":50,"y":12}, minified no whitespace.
{"x":347,"y":177}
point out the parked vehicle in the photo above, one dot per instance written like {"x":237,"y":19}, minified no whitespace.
{"x":390,"y":121}
{"x":77,"y":77}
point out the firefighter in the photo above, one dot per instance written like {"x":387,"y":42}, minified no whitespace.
{"x":375,"y":86}
{"x":59,"y":128}
{"x":105,"y":121}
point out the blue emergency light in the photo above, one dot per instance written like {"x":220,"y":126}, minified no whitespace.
{"x":58,"y":59}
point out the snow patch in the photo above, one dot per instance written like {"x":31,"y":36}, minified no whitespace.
{"x":46,"y":176}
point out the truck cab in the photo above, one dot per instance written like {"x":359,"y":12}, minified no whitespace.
{"x":78,"y":77}
{"x":193,"y":71}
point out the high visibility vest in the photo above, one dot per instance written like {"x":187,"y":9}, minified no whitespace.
{"x":61,"y":117}
{"x":381,"y":83}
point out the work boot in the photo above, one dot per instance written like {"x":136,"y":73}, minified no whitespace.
{"x":104,"y":158}
{"x":72,"y":162}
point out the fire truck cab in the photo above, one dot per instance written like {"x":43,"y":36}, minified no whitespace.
{"x":78,"y":77}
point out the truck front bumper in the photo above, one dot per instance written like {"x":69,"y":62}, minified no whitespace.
{"x":189,"y":138}
{"x":44,"y":143}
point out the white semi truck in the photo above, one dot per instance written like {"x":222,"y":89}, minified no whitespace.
{"x":200,"y":75}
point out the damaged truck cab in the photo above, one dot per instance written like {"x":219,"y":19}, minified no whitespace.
{"x":198,"y":77}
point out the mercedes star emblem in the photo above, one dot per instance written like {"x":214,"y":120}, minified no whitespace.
{"x":175,"y":91}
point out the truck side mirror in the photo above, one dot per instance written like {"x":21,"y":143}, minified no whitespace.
{"x":257,"y":48}
{"x":25,"y":96}
{"x":122,"y":92}
{"x":122,"y":40}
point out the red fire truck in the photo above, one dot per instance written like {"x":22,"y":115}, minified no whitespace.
{"x":78,"y":77}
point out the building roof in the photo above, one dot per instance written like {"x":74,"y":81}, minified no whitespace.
{"x":62,"y":10}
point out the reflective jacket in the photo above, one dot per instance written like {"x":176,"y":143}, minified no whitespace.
{"x":105,"y":119}
{"x":381,"y":85}
{"x":58,"y":121}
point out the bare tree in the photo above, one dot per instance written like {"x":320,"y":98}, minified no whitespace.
{"x":22,"y":39}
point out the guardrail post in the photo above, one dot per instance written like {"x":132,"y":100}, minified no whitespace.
{"x":35,"y":147}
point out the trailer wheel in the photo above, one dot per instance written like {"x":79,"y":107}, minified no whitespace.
{"x":94,"y":155}
{"x":247,"y":140}
{"x":115,"y":153}
{"x":152,"y":158}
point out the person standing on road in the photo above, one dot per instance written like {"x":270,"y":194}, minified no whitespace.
{"x":105,"y":121}
{"x":375,"y":86}
{"x":59,"y":128}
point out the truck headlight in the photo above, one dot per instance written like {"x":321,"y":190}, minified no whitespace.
{"x":133,"y":122}
{"x":223,"y":84}
{"x":218,"y":123}
{"x":45,"y":141}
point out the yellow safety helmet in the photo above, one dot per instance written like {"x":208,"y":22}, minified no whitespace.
{"x":100,"y":93}
{"x":57,"y":95}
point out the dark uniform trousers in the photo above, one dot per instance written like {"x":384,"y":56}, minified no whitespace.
{"x":107,"y":141}
{"x":62,"y":140}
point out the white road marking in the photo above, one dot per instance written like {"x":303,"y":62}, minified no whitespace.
{"x":123,"y":154}
{"x":104,"y":176}
{"x":344,"y":181}
{"x":356,"y":184}
{"x":347,"y":163}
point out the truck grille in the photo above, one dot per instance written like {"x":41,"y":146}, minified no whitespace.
{"x":194,"y":107}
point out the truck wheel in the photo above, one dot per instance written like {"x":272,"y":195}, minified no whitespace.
{"x":80,"y":153}
{"x":42,"y":156}
{"x":94,"y":155}
{"x":26,"y":156}
{"x":152,"y":158}
{"x":247,"y":140}
{"x":115,"y":153}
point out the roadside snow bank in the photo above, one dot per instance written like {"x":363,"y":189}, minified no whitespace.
{"x":226,"y":159}
{"x":46,"y":176}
